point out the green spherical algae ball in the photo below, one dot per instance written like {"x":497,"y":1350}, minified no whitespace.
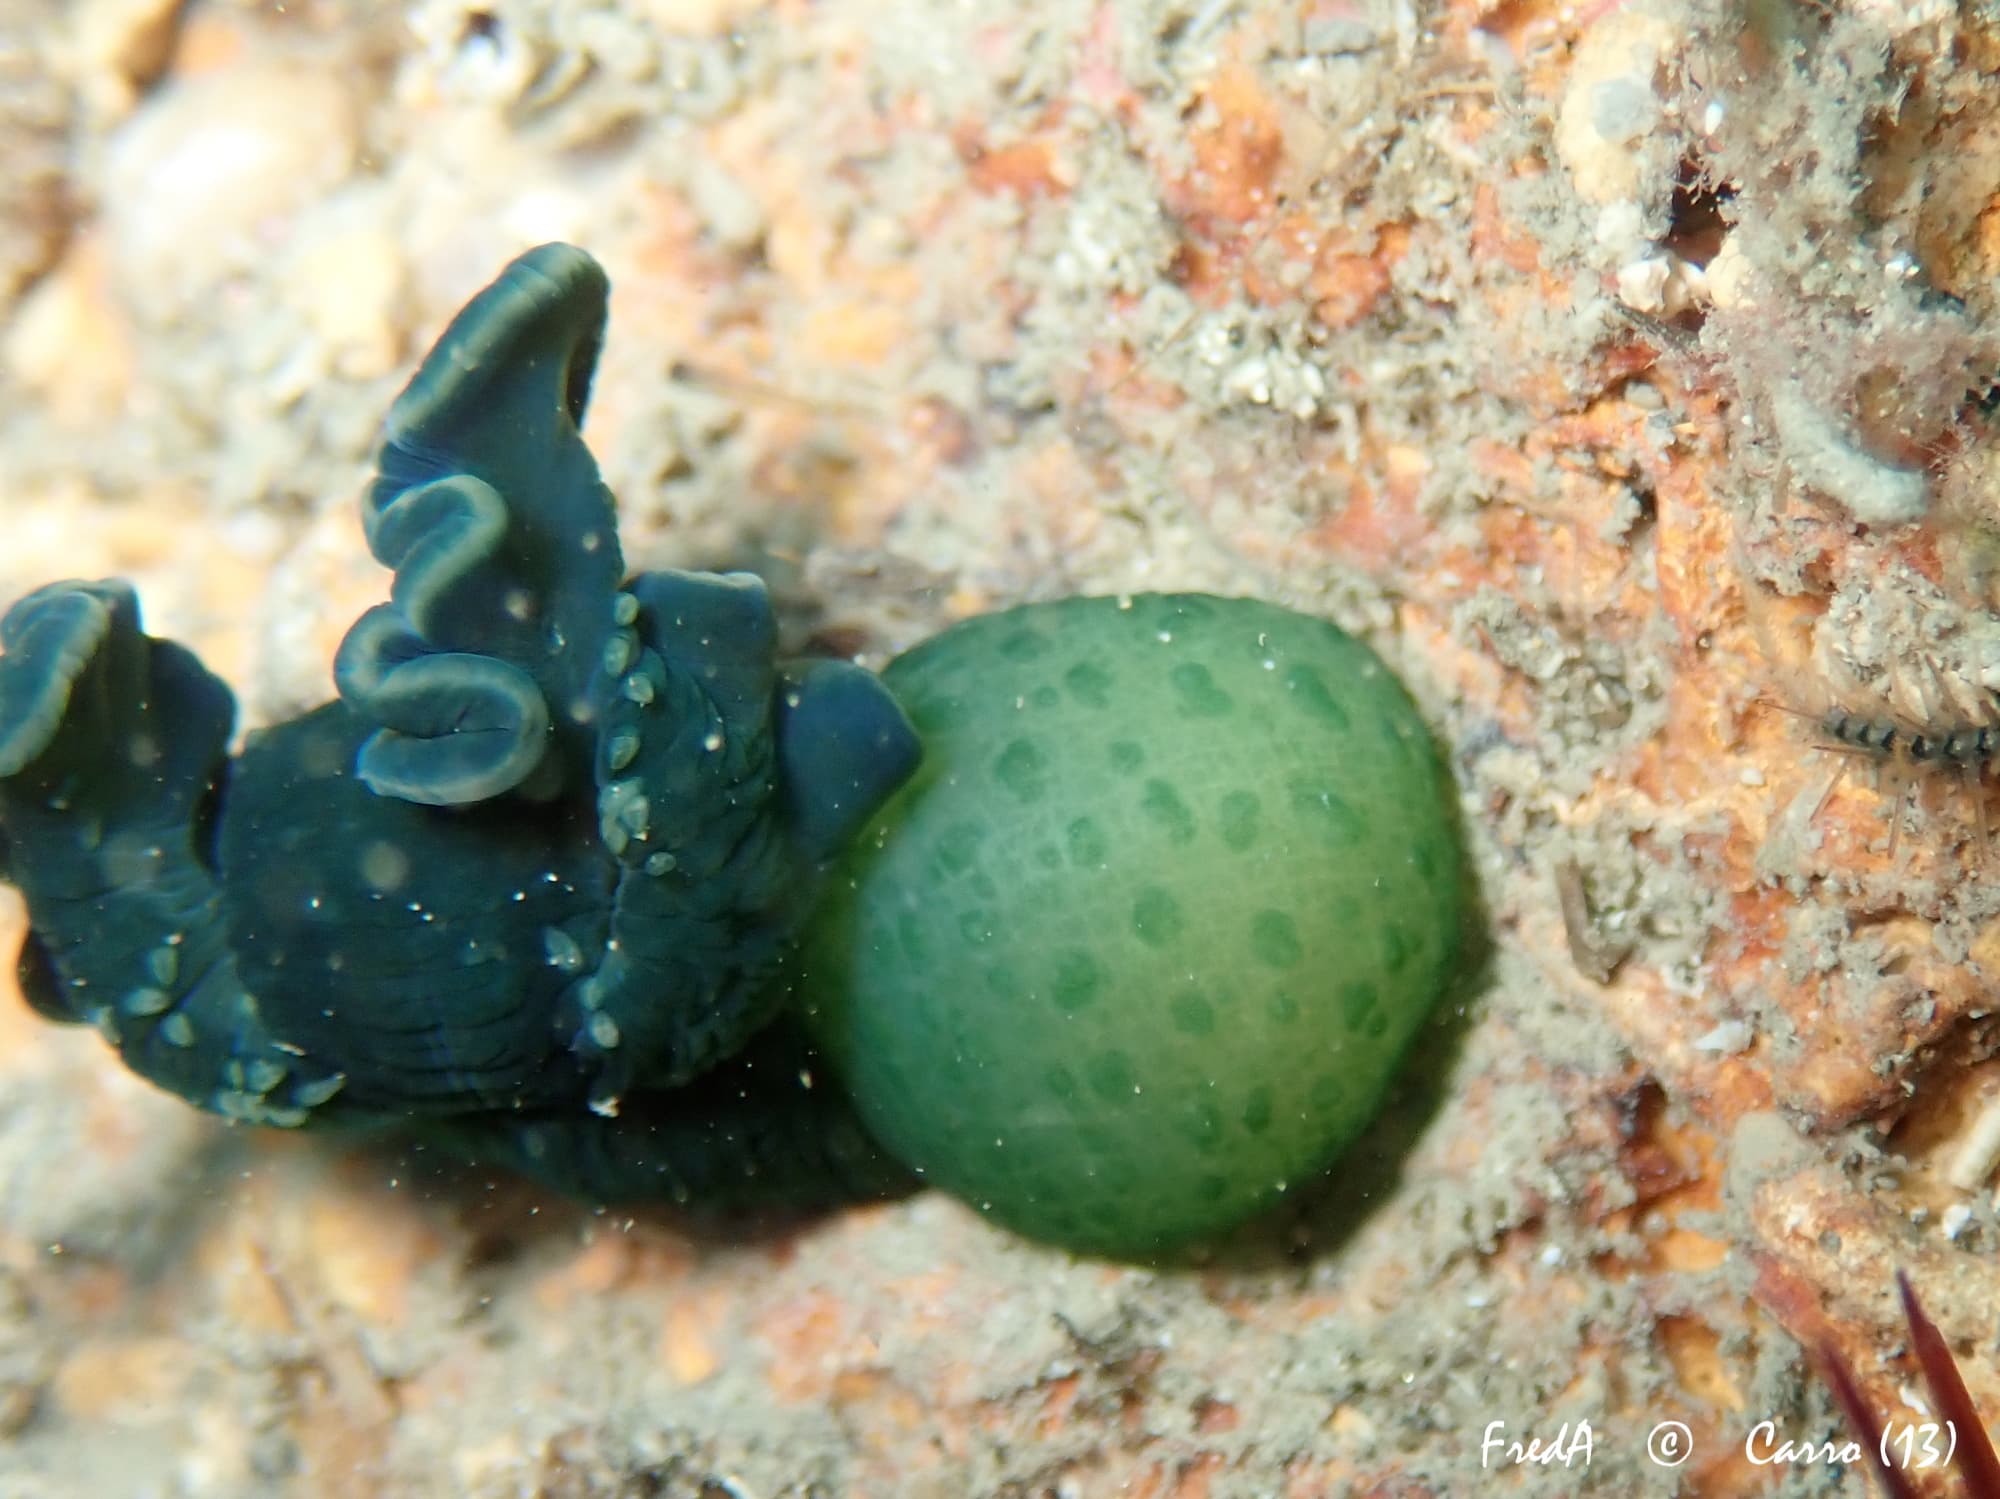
{"x":1141,"y":943}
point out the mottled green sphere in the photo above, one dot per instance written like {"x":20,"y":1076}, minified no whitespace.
{"x":1140,"y":945}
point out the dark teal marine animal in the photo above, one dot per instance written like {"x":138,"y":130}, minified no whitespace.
{"x":522,"y":887}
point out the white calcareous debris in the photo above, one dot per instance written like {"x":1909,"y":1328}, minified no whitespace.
{"x":1730,"y":277}
{"x":67,"y":344}
{"x":1728,"y":1038}
{"x":1827,"y":458}
{"x":467,"y":52}
{"x":1954,"y":1220}
{"x":1979,"y":1152}
{"x":1609,"y":126}
{"x":114,"y":48}
{"x":1642,"y":283}
{"x":351,"y":285}
{"x":203,"y":181}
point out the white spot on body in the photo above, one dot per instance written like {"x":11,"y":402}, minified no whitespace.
{"x":563,"y":951}
{"x":312,"y":1095}
{"x":164,"y":963}
{"x":127,"y":861}
{"x":618,"y":650}
{"x":637,"y":818}
{"x":142,"y":1002}
{"x":384,"y":867}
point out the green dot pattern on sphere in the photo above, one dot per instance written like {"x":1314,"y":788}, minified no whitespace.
{"x":1141,"y":944}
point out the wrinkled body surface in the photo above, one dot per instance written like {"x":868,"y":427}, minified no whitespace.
{"x":525,"y":883}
